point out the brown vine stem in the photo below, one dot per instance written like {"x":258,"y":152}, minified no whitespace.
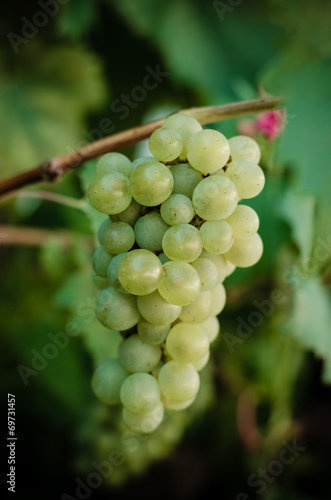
{"x":48,"y":196}
{"x":51,"y":170}
{"x":33,"y":236}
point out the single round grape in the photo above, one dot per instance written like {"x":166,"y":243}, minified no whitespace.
{"x":176,"y":405}
{"x":186,"y":342}
{"x":102,"y":227}
{"x":211,"y":326}
{"x":186,"y":126}
{"x":140,"y":272}
{"x":152,"y":334}
{"x":247,"y":176}
{"x":244,"y":221}
{"x":114,"y":162}
{"x":157,"y":310}
{"x":165,"y":144}
{"x":207,"y":151}
{"x":202,"y":362}
{"x":178,"y":382}
{"x":177,"y":209}
{"x":207,"y":272}
{"x":244,"y":148}
{"x":118,"y":237}
{"x":151,"y":183}
{"x":100,"y":261}
{"x":99,"y":281}
{"x":115,"y":310}
{"x":215,"y":198}
{"x":186,"y":179}
{"x":143,"y":423}
{"x":149,"y":230}
{"x":245,"y":252}
{"x":130,"y":215}
{"x":182,"y":242}
{"x":107,"y":380}
{"x":198,"y":310}
{"x":217,"y":236}
{"x":220,"y":263}
{"x":137,"y":356}
{"x":109,"y":193}
{"x":140,"y":393}
{"x":180,"y":284}
{"x":218,"y":299}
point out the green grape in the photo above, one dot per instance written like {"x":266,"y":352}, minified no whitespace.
{"x":207,"y":151}
{"x":219,"y":299}
{"x":140,"y":272}
{"x":186,"y":342}
{"x":118,"y":237}
{"x":102,"y":227}
{"x":245,"y":252}
{"x":207,"y":271}
{"x":115,"y":310}
{"x":181,"y":283}
{"x":149,"y":231}
{"x":99,"y":281}
{"x":247,"y":176}
{"x":217,"y":236}
{"x":198,"y":310}
{"x":176,"y":405}
{"x":143,"y":423}
{"x":112,"y":273}
{"x":137,"y":356}
{"x":202,"y":362}
{"x":163,"y":258}
{"x":186,"y":126}
{"x":152,"y":334}
{"x":156,"y":310}
{"x":177,"y":209}
{"x":244,"y":148}
{"x":100,"y":261}
{"x":211,"y":326}
{"x":140,"y":393}
{"x":182,"y":242}
{"x":178,"y":382}
{"x":109,"y":193}
{"x":165,"y":144}
{"x":143,"y":159}
{"x":114,"y":162}
{"x":220,"y":263}
{"x":129,"y":215}
{"x":185,"y":179}
{"x":230,"y":268}
{"x":107,"y":381}
{"x":244,"y":221}
{"x":215,"y":198}
{"x":151,"y":183}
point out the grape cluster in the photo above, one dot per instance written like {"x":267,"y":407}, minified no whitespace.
{"x":175,"y":231}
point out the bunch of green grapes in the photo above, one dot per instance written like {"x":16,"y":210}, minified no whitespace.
{"x":175,"y":231}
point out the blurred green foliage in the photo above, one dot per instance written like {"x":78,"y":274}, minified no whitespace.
{"x":263,"y":379}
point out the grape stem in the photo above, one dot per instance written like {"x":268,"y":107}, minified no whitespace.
{"x":35,"y":236}
{"x":53,"y":169}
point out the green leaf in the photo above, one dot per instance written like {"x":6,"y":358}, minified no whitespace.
{"x":311,"y":319}
{"x":43,"y":107}
{"x":76,"y":18}
{"x":298,"y":210}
